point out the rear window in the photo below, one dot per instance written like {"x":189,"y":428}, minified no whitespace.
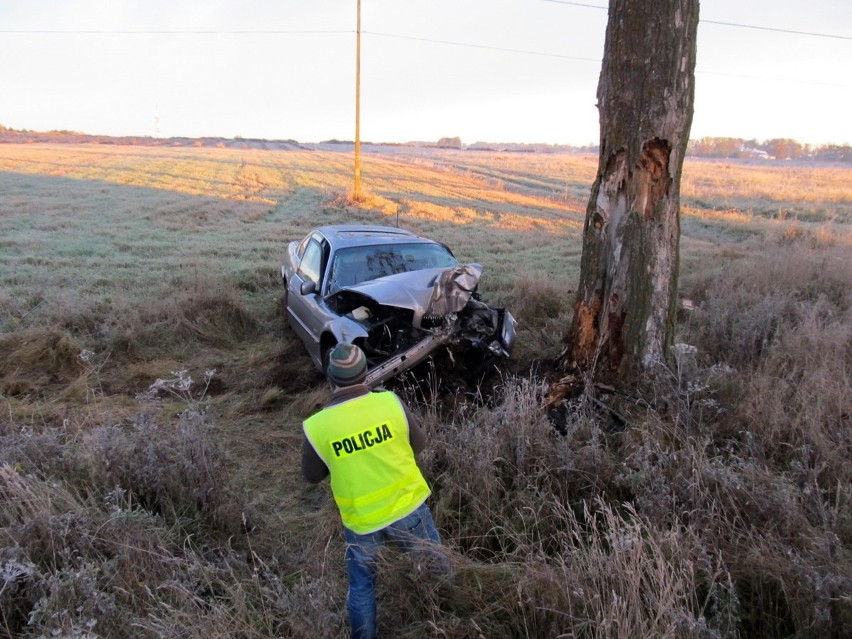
{"x":364,"y":263}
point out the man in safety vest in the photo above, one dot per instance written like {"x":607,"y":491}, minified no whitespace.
{"x":367,"y":441}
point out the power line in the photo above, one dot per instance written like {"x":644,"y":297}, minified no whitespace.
{"x":174,"y":32}
{"x":397,"y":36}
{"x":578,"y":4}
{"x":725,"y":24}
{"x":596,"y":60}
{"x":481,"y":46}
{"x":752,"y":26}
{"x":328,"y":31}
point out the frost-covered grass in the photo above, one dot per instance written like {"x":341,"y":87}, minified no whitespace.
{"x":150,"y":403}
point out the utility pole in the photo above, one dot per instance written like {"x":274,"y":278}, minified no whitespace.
{"x":358,"y":108}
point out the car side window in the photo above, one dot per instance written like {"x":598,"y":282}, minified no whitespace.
{"x":310,"y":268}
{"x":302,"y":246}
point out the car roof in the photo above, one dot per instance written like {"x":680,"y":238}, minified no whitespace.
{"x":344,"y":235}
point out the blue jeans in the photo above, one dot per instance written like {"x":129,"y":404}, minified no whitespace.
{"x":413,"y":533}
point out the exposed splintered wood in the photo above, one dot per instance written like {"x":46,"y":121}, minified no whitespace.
{"x":633,"y":231}
{"x":625,"y":307}
{"x":586,"y":325}
{"x":654,"y":179}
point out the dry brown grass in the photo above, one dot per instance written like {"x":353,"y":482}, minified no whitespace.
{"x":716,"y":506}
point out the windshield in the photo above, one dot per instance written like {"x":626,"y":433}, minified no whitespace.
{"x":364,"y":263}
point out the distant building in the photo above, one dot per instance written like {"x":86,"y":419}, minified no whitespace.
{"x":750,"y":153}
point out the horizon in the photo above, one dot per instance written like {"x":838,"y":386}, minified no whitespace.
{"x":463,"y":143}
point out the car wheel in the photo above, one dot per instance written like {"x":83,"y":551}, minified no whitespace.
{"x":327,"y":347}
{"x":284,"y":314}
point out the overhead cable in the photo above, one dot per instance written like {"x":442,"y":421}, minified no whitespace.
{"x":725,"y":24}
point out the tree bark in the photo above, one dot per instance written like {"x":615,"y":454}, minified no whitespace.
{"x":625,"y":308}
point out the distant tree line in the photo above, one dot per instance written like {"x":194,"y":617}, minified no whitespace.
{"x":527,"y":147}
{"x":25,"y":136}
{"x":775,"y":149}
{"x":450,"y":143}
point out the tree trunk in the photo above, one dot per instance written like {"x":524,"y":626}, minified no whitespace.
{"x":626,"y":302}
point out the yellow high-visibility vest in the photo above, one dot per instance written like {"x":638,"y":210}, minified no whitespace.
{"x":374,"y":476}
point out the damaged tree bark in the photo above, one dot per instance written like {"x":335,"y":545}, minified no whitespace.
{"x":624,"y":312}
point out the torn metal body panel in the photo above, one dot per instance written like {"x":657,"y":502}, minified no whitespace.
{"x":408,"y":297}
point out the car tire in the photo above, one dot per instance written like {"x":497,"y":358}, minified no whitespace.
{"x":326,"y":353}
{"x":284,"y":315}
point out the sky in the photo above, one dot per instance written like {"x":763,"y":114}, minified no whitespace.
{"x":482,"y":70}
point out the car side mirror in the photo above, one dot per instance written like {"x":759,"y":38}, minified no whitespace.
{"x":308,"y":287}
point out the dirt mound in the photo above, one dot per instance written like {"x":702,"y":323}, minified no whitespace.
{"x":37,"y":358}
{"x":214,"y":317}
{"x":291,"y":369}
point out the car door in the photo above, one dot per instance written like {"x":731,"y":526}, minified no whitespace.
{"x":307,"y":314}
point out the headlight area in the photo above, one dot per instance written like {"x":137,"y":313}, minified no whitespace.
{"x":491,"y":329}
{"x":389,"y":331}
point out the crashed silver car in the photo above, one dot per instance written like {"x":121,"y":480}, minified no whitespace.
{"x":400,"y":297}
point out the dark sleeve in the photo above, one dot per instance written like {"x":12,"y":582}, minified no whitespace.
{"x":416,"y":434}
{"x":314,"y":469}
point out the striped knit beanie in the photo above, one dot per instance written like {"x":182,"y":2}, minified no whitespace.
{"x":347,"y":365}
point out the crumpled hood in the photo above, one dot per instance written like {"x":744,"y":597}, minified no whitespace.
{"x":435,"y":290}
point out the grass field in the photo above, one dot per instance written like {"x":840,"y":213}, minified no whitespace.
{"x":132,"y":507}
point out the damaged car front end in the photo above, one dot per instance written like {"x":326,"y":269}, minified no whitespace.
{"x":399,"y":297}
{"x":404,"y":318}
